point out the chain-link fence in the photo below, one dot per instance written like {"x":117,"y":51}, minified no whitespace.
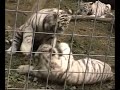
{"x":87,"y":37}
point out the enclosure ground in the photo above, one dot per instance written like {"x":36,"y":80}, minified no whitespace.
{"x":83,"y":28}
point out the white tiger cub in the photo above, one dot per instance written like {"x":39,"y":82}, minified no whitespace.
{"x":98,"y":8}
{"x":76,"y":71}
{"x":42,"y":21}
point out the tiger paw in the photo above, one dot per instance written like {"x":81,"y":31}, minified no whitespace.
{"x":11,"y":51}
{"x":24,"y":69}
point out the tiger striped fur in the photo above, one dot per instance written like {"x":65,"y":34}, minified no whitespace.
{"x":98,"y":8}
{"x":42,"y":21}
{"x":76,"y":71}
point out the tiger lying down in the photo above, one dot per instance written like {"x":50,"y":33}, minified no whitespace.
{"x":97,"y":8}
{"x":58,"y":66}
{"x":43,"y":21}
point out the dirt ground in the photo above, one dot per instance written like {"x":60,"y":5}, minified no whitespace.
{"x":100,"y":46}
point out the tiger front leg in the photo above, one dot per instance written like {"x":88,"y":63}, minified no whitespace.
{"x":18,"y":39}
{"x":27,"y":43}
{"x":26,"y":46}
{"x":25,"y":69}
{"x":16,"y":42}
{"x":12,"y":50}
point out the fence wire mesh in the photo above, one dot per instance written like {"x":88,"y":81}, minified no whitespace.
{"x":87,"y":38}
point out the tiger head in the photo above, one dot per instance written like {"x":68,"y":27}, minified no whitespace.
{"x":46,"y":53}
{"x":57,"y":23}
{"x":85,"y":8}
{"x":108,"y":8}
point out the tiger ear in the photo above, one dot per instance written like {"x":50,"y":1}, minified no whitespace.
{"x":108,"y":6}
